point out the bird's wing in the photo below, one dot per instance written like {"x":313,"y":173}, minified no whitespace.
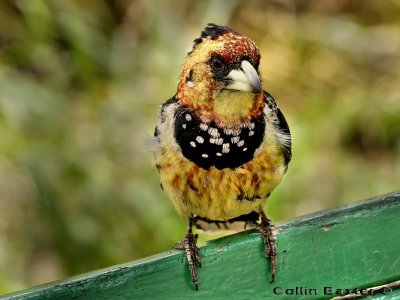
{"x":282,"y":132}
{"x":164,"y":127}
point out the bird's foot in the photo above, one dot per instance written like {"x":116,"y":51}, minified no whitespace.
{"x":265,"y":227}
{"x":189,"y":245}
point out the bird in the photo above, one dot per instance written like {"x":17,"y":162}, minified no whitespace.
{"x":222,"y":143}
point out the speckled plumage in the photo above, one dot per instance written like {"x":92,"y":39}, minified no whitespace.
{"x":223,"y":144}
{"x":213,"y":192}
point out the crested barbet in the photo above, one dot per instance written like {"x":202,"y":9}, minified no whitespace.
{"x":223,"y":144}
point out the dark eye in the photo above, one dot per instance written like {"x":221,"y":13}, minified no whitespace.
{"x":217,"y":63}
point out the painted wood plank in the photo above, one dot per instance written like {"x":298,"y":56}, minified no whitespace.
{"x":356,"y":246}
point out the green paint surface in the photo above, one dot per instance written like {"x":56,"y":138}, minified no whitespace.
{"x":356,"y":246}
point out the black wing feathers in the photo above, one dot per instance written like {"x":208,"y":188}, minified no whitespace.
{"x":281,"y":124}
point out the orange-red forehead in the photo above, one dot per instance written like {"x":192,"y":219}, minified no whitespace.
{"x":236,"y":46}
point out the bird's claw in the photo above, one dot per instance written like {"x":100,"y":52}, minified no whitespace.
{"x":189,"y":245}
{"x":270,"y":250}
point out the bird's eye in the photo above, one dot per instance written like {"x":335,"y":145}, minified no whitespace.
{"x":217,"y":63}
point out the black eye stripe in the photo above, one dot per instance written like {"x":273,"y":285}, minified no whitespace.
{"x":217,"y":62}
{"x":219,"y":67}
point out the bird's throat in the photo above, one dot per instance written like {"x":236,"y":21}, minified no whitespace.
{"x":230,"y":107}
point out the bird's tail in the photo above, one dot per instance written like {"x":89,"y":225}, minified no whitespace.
{"x":237,"y":224}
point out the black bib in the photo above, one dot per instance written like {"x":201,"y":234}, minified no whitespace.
{"x":207,"y":145}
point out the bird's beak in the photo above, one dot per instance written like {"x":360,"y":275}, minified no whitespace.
{"x":244,"y":79}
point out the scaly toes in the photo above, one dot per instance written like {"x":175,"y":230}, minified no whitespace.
{"x":192,"y":256}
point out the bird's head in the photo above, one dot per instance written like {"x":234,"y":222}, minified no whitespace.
{"x":220,"y":79}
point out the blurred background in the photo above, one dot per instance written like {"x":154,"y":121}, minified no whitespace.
{"x":80,"y":83}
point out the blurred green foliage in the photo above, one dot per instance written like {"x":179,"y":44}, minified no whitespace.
{"x":80,"y":83}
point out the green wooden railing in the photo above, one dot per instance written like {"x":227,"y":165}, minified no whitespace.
{"x":352,"y":247}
